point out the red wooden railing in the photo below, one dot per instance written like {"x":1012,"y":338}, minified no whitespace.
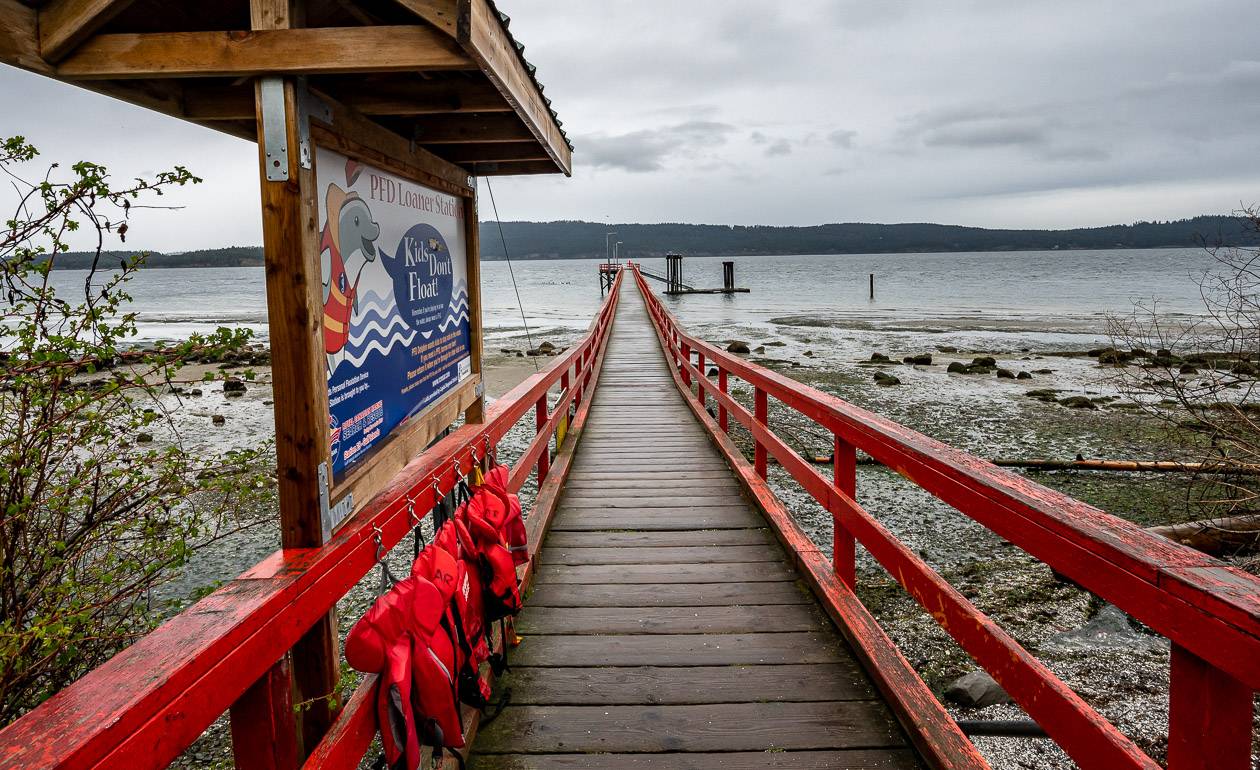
{"x":146,"y":705}
{"x":1209,"y":611}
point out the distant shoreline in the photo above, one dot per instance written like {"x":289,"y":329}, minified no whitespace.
{"x":585,"y":240}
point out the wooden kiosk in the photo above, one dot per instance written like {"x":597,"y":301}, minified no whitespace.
{"x":354,"y":104}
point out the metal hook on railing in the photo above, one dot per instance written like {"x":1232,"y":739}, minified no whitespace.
{"x":417,"y":534}
{"x":491,"y":451}
{"x":379,"y":538}
{"x":437,"y":491}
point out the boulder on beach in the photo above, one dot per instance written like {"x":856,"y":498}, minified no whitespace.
{"x":218,"y":419}
{"x":1023,"y":376}
{"x":1005,"y":374}
{"x":977,"y":690}
{"x":947,"y":348}
{"x":1078,"y":402}
{"x":922,"y":359}
{"x":988,"y":361}
{"x":233,"y":386}
{"x":880,"y":358}
{"x":759,"y":349}
{"x":736,"y":346}
{"x":1114,"y":357}
{"x":808,"y":354}
{"x":1048,"y":395}
{"x":546,"y":347}
{"x":886,"y":380}
{"x":144,"y":438}
{"x":956,"y":367}
{"x":1188,"y":369}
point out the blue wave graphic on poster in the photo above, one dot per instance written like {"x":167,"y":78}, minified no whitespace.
{"x":378,"y":327}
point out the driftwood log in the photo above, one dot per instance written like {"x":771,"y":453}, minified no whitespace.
{"x":1214,"y":536}
{"x":1129,"y":466}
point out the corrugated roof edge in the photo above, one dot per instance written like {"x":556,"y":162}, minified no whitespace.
{"x":506,"y":21}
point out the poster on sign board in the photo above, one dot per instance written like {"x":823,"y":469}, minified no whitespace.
{"x":395,"y":288}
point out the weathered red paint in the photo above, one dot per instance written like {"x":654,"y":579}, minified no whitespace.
{"x":1210,"y":611}
{"x":143,"y":707}
{"x":843,"y":544}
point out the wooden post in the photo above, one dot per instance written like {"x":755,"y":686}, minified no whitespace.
{"x":476,"y":412}
{"x":843,"y":544}
{"x":724,"y":420}
{"x":872,"y":286}
{"x":540,"y":421}
{"x":263,"y":729}
{"x":701,"y":396}
{"x":299,"y":378}
{"x":761,"y":412}
{"x":1209,"y":716}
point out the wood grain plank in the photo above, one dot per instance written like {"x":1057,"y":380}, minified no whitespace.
{"x":653,"y":685}
{"x":853,"y":759}
{"x":665,"y":539}
{"x":666,"y":594}
{"x":775,"y":618}
{"x":716,"y":727}
{"x":685,"y":554}
{"x":748,"y":649}
{"x":760,"y":572}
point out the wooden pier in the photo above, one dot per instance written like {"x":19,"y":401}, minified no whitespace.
{"x":667,"y":627}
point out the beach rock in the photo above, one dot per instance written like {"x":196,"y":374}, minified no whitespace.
{"x":1043,"y":371}
{"x":776,"y":343}
{"x":546,"y":348}
{"x":1078,"y":402}
{"x":880,"y":358}
{"x":1023,"y":376}
{"x":195,"y":392}
{"x":1114,"y":357}
{"x":218,"y":419}
{"x":808,"y":354}
{"x":956,"y":367}
{"x":737,"y":347}
{"x":1049,"y":395}
{"x":519,"y":354}
{"x":1163,"y":353}
{"x":508,"y":351}
{"x":976,"y":689}
{"x":713,"y":372}
{"x":947,"y":348}
{"x":1188,"y":369}
{"x":1110,"y":629}
{"x":1005,"y":374}
{"x":759,"y":349}
{"x":234,"y":385}
{"x":886,"y":380}
{"x":1166,"y":362}
{"x":923,"y":359}
{"x":984,"y":361}
{"x":144,"y":438}
{"x":1244,"y":369}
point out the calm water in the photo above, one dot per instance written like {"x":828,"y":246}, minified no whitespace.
{"x":1054,"y":293}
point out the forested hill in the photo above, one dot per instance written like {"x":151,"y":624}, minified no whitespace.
{"x":230,"y":256}
{"x":573,"y":240}
{"x":570,"y":239}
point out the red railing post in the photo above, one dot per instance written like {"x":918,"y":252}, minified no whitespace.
{"x":1209,"y":716}
{"x":843,"y":544}
{"x":724,"y":420}
{"x":540,"y":421}
{"x":684,"y":360}
{"x":761,"y":411}
{"x":701,"y":396}
{"x":263,"y":723}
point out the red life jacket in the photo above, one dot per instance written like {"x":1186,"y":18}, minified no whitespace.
{"x":438,"y":683}
{"x":381,"y":643}
{"x":503,"y":509}
{"x":500,"y":592}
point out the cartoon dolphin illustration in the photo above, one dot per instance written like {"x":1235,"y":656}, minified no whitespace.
{"x":347,"y":244}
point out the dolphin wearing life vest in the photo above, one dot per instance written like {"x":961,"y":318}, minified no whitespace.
{"x":347,"y":244}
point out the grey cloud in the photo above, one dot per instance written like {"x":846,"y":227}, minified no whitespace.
{"x":647,"y":149}
{"x":779,"y":148}
{"x":993,"y":132}
{"x":842,"y":137}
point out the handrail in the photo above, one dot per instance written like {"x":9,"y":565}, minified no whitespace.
{"x":143,"y":707}
{"x":1210,"y":611}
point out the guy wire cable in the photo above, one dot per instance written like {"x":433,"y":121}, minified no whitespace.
{"x":499,"y":222}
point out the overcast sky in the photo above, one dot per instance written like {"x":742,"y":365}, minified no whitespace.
{"x":1036,"y":113}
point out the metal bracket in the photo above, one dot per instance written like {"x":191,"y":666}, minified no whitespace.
{"x":311,"y":107}
{"x":479,"y":389}
{"x":275,"y":133}
{"x":331,"y":516}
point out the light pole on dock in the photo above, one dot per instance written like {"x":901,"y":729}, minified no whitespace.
{"x":607,"y":244}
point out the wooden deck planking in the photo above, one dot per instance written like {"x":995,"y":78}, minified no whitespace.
{"x":666,"y":628}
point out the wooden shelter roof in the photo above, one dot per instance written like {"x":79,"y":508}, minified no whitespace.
{"x":446,"y":75}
